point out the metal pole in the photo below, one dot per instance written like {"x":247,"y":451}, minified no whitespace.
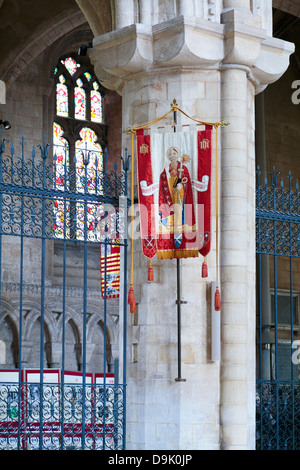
{"x":125,"y":168}
{"x":178,"y":301}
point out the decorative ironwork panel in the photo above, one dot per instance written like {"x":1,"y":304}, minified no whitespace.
{"x":65,"y":200}
{"x":278,"y":385}
{"x":50,"y":200}
{"x":277,"y":216}
{"x":278,"y":415}
{"x":61,"y":416}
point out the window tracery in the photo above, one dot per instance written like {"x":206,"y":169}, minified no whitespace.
{"x":78,"y":141}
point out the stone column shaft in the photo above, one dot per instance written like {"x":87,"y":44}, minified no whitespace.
{"x":237,"y":4}
{"x":238,"y":296}
{"x":124,"y":13}
{"x":186,"y":7}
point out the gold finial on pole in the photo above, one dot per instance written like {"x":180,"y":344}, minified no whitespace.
{"x":174,"y":104}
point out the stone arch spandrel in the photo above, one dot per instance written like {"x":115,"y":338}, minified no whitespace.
{"x":98,"y":14}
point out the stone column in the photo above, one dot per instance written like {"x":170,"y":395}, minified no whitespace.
{"x":124,"y":13}
{"x":237,"y":4}
{"x":245,"y":43}
{"x":237,"y":264}
{"x":213,"y":70}
{"x":55,"y":354}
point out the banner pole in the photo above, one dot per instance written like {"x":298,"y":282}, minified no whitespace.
{"x":178,"y":301}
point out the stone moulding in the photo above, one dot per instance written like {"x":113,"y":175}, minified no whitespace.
{"x":124,"y":51}
{"x":273,"y":60}
{"x":189,"y":42}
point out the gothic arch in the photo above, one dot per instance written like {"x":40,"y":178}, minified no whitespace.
{"x":33,"y":314}
{"x":57,"y":318}
{"x":97,"y":318}
{"x":7,"y":308}
{"x":9,"y":318}
{"x":97,"y":339}
{"x":98,"y":14}
{"x":66,"y":44}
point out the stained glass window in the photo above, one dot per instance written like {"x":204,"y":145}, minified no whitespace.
{"x":96,"y":104}
{"x":61,"y":154}
{"x":61,"y":165}
{"x":71,"y":65}
{"x":89,"y":167}
{"x":78,"y":162}
{"x":80,"y":100}
{"x":62,"y":106}
{"x":89,"y":162}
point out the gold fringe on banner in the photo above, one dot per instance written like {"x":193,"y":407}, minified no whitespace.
{"x":173,"y":254}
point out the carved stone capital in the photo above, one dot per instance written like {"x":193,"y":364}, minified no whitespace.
{"x":124,"y":51}
{"x":242,"y":37}
{"x":192,"y":42}
{"x":272,"y":61}
{"x":188,"y":41}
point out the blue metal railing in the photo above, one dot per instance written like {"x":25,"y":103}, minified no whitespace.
{"x":277,"y":241}
{"x":28,"y":196}
{"x":56,"y":422}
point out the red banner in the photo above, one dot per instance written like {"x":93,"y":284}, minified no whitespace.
{"x":204,"y":198}
{"x":146,"y":201}
{"x":174,"y":181}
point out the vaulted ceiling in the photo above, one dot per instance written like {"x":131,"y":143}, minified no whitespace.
{"x":28,"y":27}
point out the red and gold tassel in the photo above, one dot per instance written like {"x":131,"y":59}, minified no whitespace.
{"x":217,"y":300}
{"x":133,"y":307}
{"x":204,"y":269}
{"x":131,"y":298}
{"x":150,"y":272}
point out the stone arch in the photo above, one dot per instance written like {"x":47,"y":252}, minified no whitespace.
{"x":99,"y":14}
{"x":95,"y":337}
{"x":73,"y":356}
{"x":32,"y":313}
{"x":97,"y":315}
{"x":33,"y":343}
{"x":68,"y":43}
{"x":8,"y":308}
{"x":96,"y":360}
{"x":55,"y":311}
{"x":9,"y":335}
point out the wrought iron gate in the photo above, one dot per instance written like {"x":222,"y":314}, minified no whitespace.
{"x":278,"y":320}
{"x":54,"y":222}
